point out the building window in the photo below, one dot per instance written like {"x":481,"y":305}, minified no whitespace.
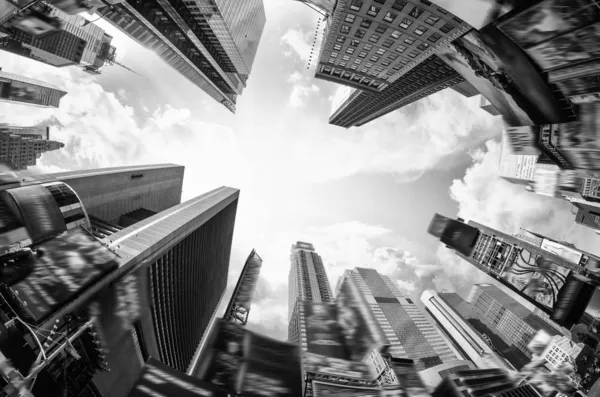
{"x":416,"y":12}
{"x":343,"y":64}
{"x":386,"y":63}
{"x":368,"y":47}
{"x":354,"y":43}
{"x":356,"y":4}
{"x":423,"y":46}
{"x":401,"y":49}
{"x":337,"y":47}
{"x":434,"y":37}
{"x":397,"y":67}
{"x":359,"y":33}
{"x":440,"y":9}
{"x":396,"y":34}
{"x":399,"y":4}
{"x":331,"y":60}
{"x":409,"y":40}
{"x":446,"y":28}
{"x":379,"y":69}
{"x":350,"y":18}
{"x":346,"y":57}
{"x":137,"y":176}
{"x":393,"y":56}
{"x":350,"y":50}
{"x":353,"y":67}
{"x":365,"y":23}
{"x":431,"y":20}
{"x":345,"y":29}
{"x":457,"y":19}
{"x":413,"y":54}
{"x":381,"y":29}
{"x":374,"y":58}
{"x":334,"y":54}
{"x":358,"y":61}
{"x":420,"y":30}
{"x":389,"y":17}
{"x":365,"y":70}
{"x":341,"y":39}
{"x":388,"y":43}
{"x":379,"y":1}
{"x":373,"y":11}
{"x":374,"y":38}
{"x":369,"y":65}
{"x":380,"y":51}
{"x":362,"y":55}
{"x":406,"y":22}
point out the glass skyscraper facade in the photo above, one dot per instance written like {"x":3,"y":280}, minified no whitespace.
{"x":411,"y":334}
{"x":211,"y":43}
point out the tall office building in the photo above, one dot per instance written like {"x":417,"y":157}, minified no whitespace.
{"x":372,"y":46}
{"x":466,"y":339}
{"x":20,"y":89}
{"x":553,"y":276}
{"x":211,"y":43}
{"x":20,"y":148}
{"x":411,"y":334}
{"x":307,"y":282}
{"x":38,"y":132}
{"x":514,"y":322}
{"x":115,"y":195}
{"x":76,"y":43}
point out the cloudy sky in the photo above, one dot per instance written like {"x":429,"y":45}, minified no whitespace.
{"x":363,"y":196}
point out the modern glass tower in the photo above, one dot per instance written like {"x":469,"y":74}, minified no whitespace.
{"x":307,"y":281}
{"x":410,"y":333}
{"x":212,"y":43}
{"x":24,"y":90}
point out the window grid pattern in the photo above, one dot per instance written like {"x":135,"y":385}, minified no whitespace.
{"x":399,"y":20}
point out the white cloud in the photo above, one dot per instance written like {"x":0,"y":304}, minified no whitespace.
{"x":300,"y":94}
{"x":298,"y":41}
{"x":295,"y":77}
{"x":122,"y":95}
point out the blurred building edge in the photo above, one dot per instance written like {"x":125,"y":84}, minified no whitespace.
{"x":238,"y":308}
{"x":465,"y":338}
{"x":28,"y":91}
{"x":487,"y":106}
{"x":483,"y":383}
{"x":77,"y":42}
{"x":20,"y":147}
{"x":178,"y":255}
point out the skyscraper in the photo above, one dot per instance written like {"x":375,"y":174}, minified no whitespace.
{"x":410,"y":333}
{"x":77,"y":43}
{"x":114,"y":195}
{"x":513,"y":321}
{"x":371,"y":45}
{"x":20,"y":89}
{"x":554,"y":276}
{"x":38,"y":132}
{"x":469,"y":342}
{"x":213,"y":44}
{"x":307,"y":281}
{"x":20,"y":148}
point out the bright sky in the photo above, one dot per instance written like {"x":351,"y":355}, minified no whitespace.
{"x":364,"y":196}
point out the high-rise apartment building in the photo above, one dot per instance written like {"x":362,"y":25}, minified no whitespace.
{"x":370,"y":45}
{"x":20,"y":89}
{"x":76,"y":43}
{"x":539,"y":270}
{"x":211,"y":43}
{"x":410,"y":332}
{"x":466,"y":339}
{"x":307,"y":282}
{"x":514,"y":322}
{"x":21,"y":147}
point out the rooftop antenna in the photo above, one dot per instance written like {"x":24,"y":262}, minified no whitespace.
{"x":126,"y":68}
{"x":312,"y":49}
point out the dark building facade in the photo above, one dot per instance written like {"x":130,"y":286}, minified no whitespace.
{"x":212,"y":44}
{"x":428,"y":77}
{"x":587,"y":215}
{"x":24,"y":90}
{"x":21,"y":147}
